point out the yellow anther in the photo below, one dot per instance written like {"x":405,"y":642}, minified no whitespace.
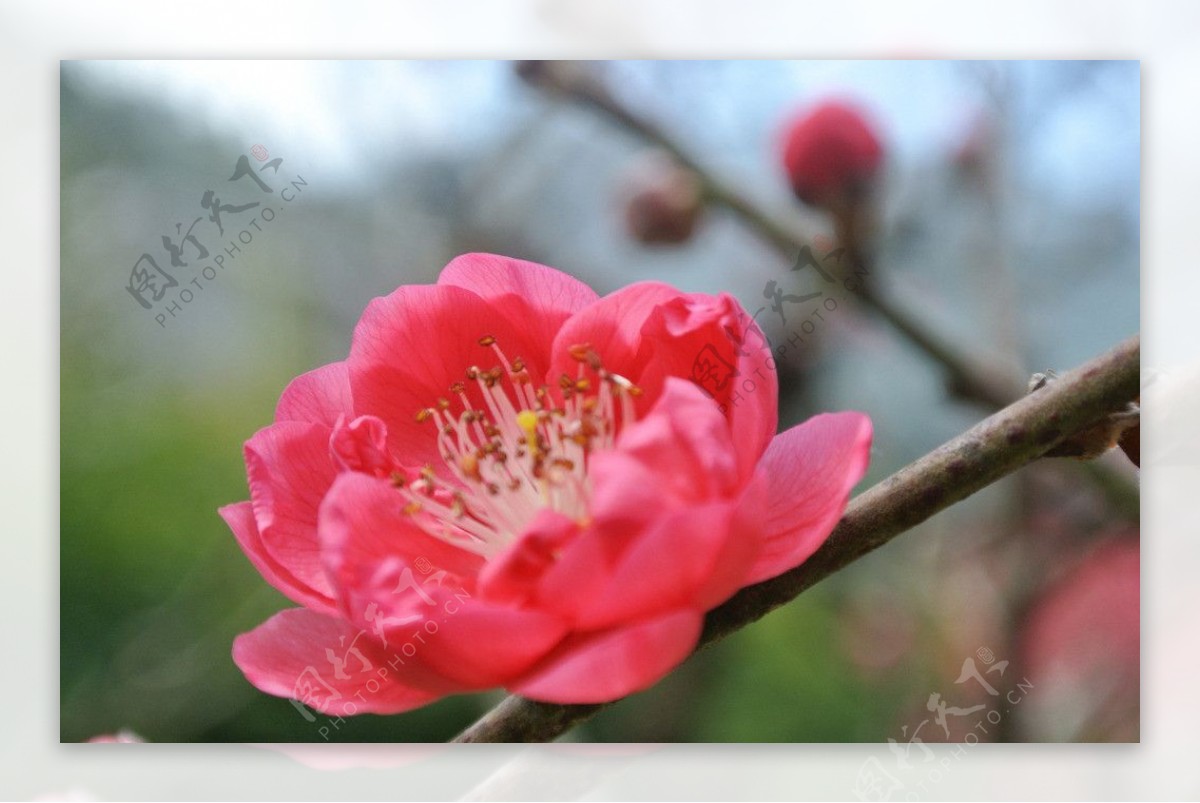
{"x":527,"y":420}
{"x":469,"y":464}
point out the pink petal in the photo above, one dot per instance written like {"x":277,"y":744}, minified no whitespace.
{"x":670,"y":527}
{"x":604,"y":666}
{"x":540,"y":297}
{"x":319,"y":396}
{"x":363,"y":526}
{"x":649,"y":332}
{"x":715,"y":344}
{"x":361,"y":445}
{"x":513,"y":575}
{"x":300,"y":654}
{"x":290,"y":470}
{"x":811,"y":468}
{"x":412,"y":345}
{"x":240,"y":518}
{"x":371,"y":547}
{"x":670,"y":564}
{"x":480,"y":644}
{"x":685,"y":441}
{"x":612,"y":326}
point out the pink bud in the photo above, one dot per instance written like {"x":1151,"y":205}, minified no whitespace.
{"x":830,"y":152}
{"x":664,"y":201}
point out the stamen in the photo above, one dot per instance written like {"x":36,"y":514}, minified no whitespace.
{"x":525,"y":449}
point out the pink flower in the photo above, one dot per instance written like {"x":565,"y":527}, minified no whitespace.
{"x":513,"y":482}
{"x":121,"y":736}
{"x":1081,"y":645}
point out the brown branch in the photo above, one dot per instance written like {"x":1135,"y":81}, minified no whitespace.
{"x":992,"y":449}
{"x":967,"y":377}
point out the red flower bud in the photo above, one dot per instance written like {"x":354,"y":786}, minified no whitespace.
{"x":831,"y":151}
{"x":664,"y":201}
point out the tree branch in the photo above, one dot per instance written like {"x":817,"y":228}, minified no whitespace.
{"x":992,"y":449}
{"x":968,"y":377}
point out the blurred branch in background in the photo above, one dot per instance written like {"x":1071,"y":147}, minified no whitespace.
{"x":1017,"y":435}
{"x":969,"y":377}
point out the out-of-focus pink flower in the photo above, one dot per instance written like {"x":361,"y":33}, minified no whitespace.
{"x":663,"y":200}
{"x":830,"y":153}
{"x":121,"y":736}
{"x":1081,"y":650}
{"x":513,"y":482}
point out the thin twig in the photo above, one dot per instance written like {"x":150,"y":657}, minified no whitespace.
{"x":992,"y":449}
{"x":967,"y":377}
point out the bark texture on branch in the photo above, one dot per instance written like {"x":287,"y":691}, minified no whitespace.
{"x":997,"y":446}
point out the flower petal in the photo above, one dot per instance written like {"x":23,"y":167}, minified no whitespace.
{"x":363,"y":526}
{"x":670,"y":524}
{"x":331,"y":666}
{"x":513,"y":575}
{"x":290,"y":470}
{"x":649,"y":332}
{"x":319,"y":396}
{"x":811,"y":468}
{"x":672,"y":564}
{"x":480,"y":644}
{"x":612,"y":326}
{"x":532,"y":295}
{"x":412,"y":345}
{"x":714,"y":343}
{"x":604,"y":666}
{"x":240,"y":518}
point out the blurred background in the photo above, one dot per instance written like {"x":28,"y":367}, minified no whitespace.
{"x":1003,"y":213}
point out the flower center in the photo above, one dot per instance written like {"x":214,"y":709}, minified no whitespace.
{"x":527,"y":449}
